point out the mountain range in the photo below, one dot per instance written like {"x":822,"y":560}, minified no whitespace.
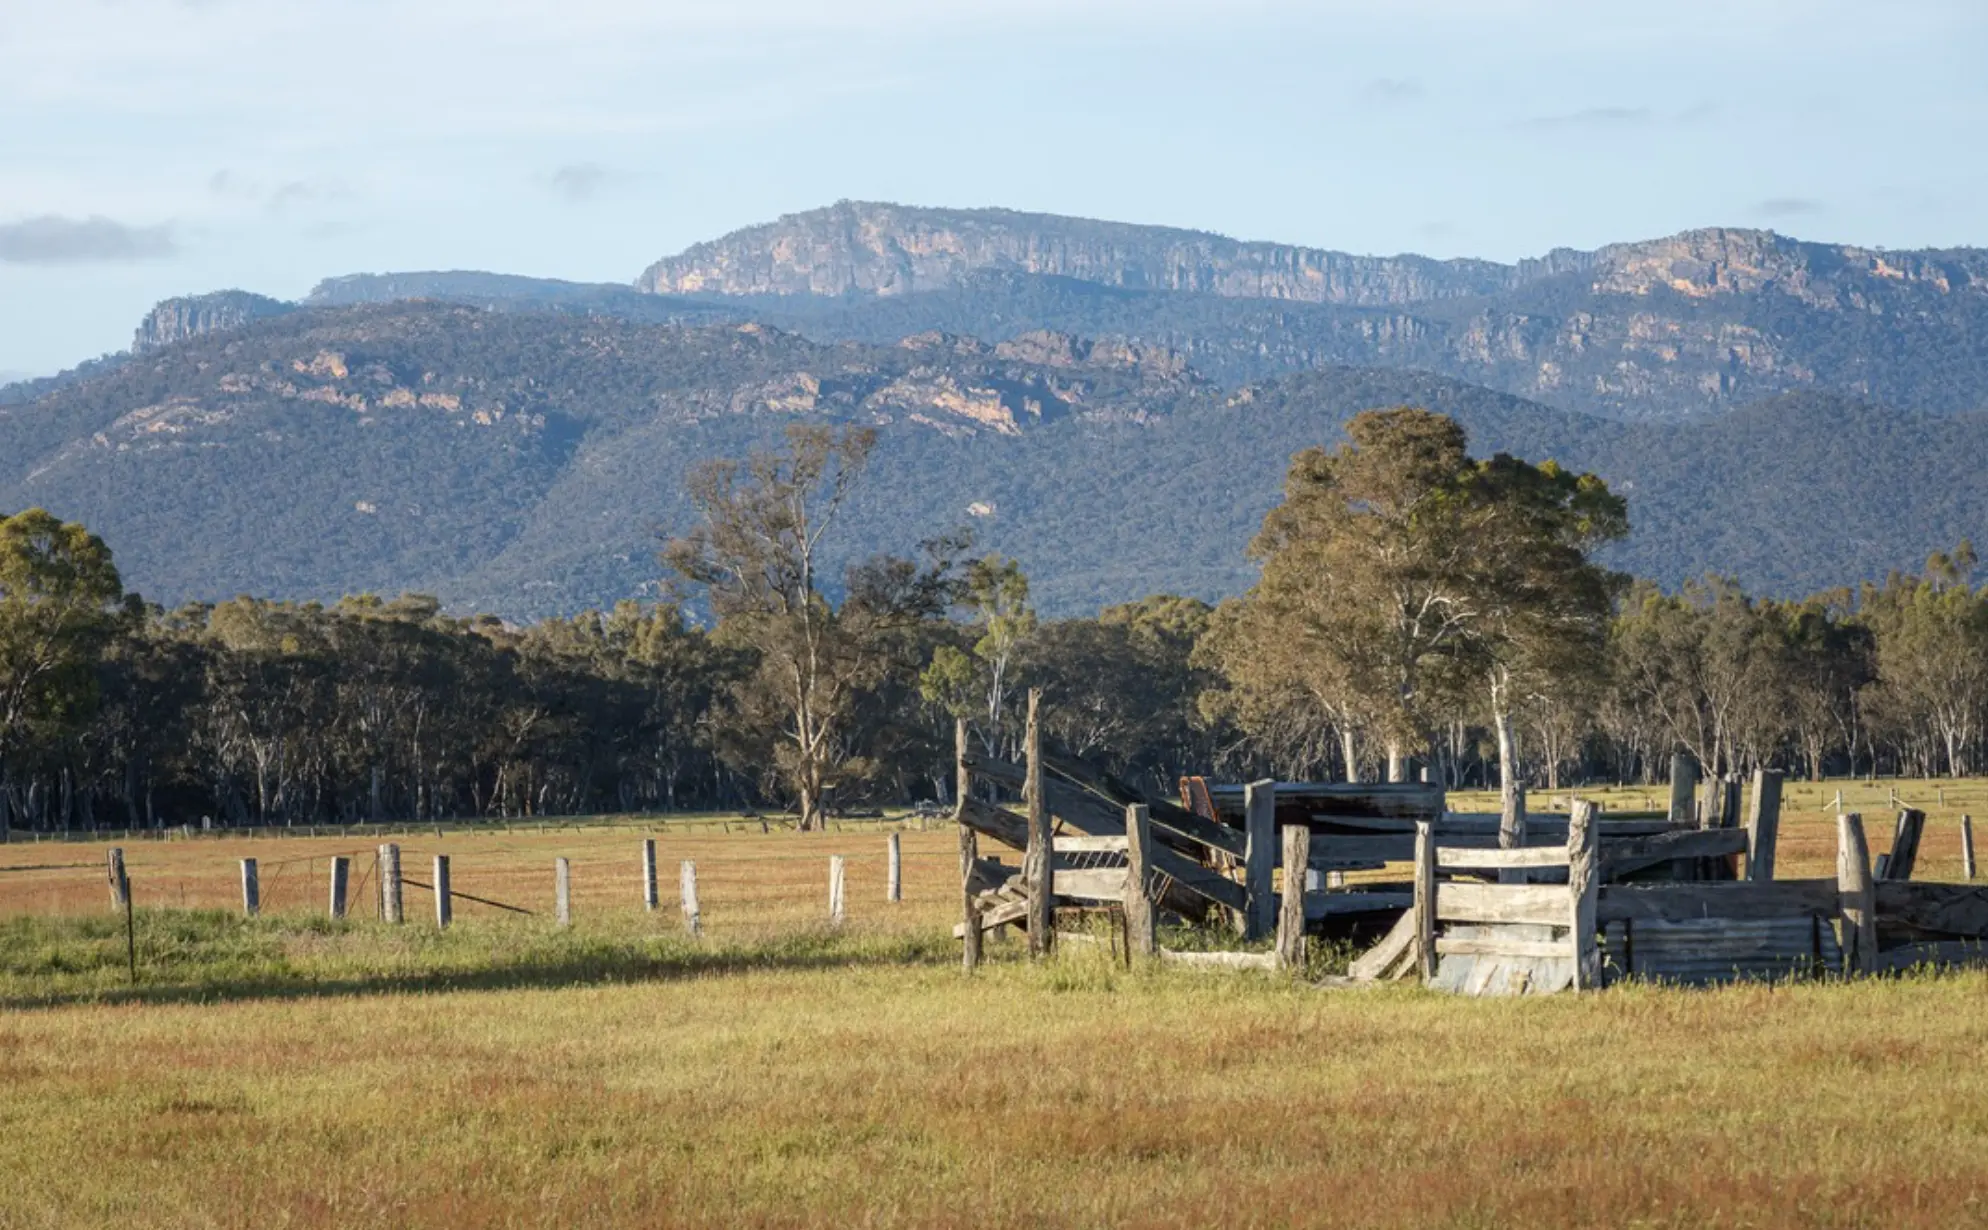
{"x":1111,"y":404}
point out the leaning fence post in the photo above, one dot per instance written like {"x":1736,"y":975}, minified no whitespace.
{"x":1967,"y":847}
{"x":1259,"y":859}
{"x":1856,"y":895}
{"x":114,"y":869}
{"x":562,"y":891}
{"x":390,"y":882}
{"x":251,"y":889}
{"x":894,"y":879}
{"x":1904,"y":845}
{"x":1042,"y":883}
{"x":341,"y":869}
{"x":1142,"y":937}
{"x":1291,"y":906}
{"x":649,"y":898}
{"x":969,"y":851}
{"x":1584,"y":894}
{"x":1763,"y":825}
{"x":836,"y":869}
{"x":1425,"y":900}
{"x":444,"y":903}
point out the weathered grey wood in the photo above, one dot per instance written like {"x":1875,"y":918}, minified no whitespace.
{"x":651,"y":896}
{"x":836,"y":871}
{"x":341,"y":872}
{"x":114,"y":872}
{"x":1543,"y":904}
{"x":444,"y":898}
{"x":1635,"y":854}
{"x":998,"y":823}
{"x":1857,"y":900}
{"x":1090,"y":845}
{"x":390,"y":883}
{"x":1475,"y":858}
{"x":1583,"y":895}
{"x":969,"y":929}
{"x":894,"y":869}
{"x":1406,"y":800}
{"x":1471,"y":828}
{"x":1221,"y":960}
{"x":1205,"y":881}
{"x":1091,"y":884}
{"x":1291,"y":902}
{"x":1729,"y":808}
{"x":1495,"y":946}
{"x":251,"y":889}
{"x":1683,"y":785}
{"x":1171,"y":819}
{"x":1967,"y":847}
{"x":1426,"y":902}
{"x":1042,"y":933}
{"x":1950,"y":909}
{"x":693,"y":918}
{"x":1141,"y":910}
{"x":1730,"y":899}
{"x":1763,"y":825}
{"x":1259,"y":859}
{"x":1395,"y":950}
{"x":992,"y":917}
{"x":1511,"y":832}
{"x":562,"y":891}
{"x":1905,"y":845}
{"x":1075,"y":807}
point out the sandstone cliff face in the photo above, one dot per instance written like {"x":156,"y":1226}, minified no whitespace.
{"x":858,"y":247}
{"x":175,"y":320}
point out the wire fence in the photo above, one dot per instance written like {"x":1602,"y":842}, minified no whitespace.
{"x":745,"y":878}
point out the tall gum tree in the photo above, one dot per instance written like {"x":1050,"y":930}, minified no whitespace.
{"x":757,"y":558}
{"x":1398,"y":567}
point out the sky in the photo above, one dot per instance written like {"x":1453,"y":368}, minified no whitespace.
{"x":150,"y":148}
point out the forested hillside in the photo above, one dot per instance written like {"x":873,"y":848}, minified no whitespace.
{"x":524,"y":463}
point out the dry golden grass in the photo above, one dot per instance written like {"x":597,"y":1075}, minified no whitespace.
{"x":291,"y":1072}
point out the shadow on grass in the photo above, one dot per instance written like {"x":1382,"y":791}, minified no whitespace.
{"x":200,"y":957}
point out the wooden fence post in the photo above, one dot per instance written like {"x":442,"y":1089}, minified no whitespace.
{"x":444,"y":903}
{"x":693,"y":920}
{"x":1142,"y":937}
{"x":341,"y":871}
{"x":1763,"y":825}
{"x":835,"y":873}
{"x":251,"y":889}
{"x":114,"y":870}
{"x":1904,"y":854}
{"x":1856,"y":895}
{"x":1425,"y":900}
{"x":1291,"y":906}
{"x":894,"y":875}
{"x":1042,"y":861}
{"x":1683,"y":784}
{"x":1259,"y":859}
{"x":562,"y":891}
{"x":650,"y":897}
{"x":390,"y":882}
{"x":1967,"y":847}
{"x":969,"y":851}
{"x":1584,"y":893}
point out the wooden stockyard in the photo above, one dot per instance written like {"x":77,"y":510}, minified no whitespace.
{"x":1553,"y":903}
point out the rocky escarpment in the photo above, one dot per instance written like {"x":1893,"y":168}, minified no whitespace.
{"x":860,"y":247}
{"x":175,"y":320}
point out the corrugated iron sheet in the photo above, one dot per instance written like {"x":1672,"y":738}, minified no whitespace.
{"x":1703,"y":951}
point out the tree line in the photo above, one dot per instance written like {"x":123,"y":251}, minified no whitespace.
{"x":1416,"y":608}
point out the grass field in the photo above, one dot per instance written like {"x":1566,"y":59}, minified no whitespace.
{"x":289,"y":1071}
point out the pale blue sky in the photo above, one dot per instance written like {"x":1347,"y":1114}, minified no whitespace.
{"x":268,"y":143}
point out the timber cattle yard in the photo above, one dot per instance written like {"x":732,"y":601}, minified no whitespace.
{"x":1733,"y":1003}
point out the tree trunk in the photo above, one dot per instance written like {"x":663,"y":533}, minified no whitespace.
{"x":1350,"y":751}
{"x":1397,"y":764}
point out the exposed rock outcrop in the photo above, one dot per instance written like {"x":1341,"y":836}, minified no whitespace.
{"x":175,"y":320}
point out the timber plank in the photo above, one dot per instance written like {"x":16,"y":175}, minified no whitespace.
{"x":1731,"y":899}
{"x":1544,"y":904}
